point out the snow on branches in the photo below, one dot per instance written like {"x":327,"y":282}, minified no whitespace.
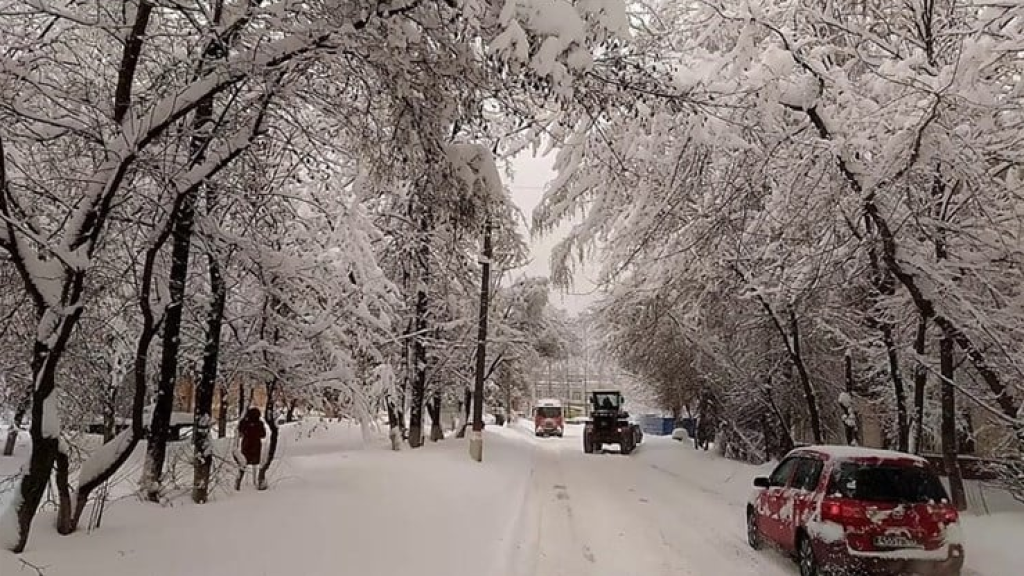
{"x":808,"y":170}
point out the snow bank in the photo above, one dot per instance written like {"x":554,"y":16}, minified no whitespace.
{"x":9,"y":520}
{"x":335,"y":507}
{"x":993,"y":543}
{"x":103,"y":457}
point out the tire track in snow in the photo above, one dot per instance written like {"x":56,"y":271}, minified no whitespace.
{"x":562,"y":549}
{"x":694,"y":526}
{"x":614,"y":515}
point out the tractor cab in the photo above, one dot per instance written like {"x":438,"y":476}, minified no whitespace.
{"x":607,"y":403}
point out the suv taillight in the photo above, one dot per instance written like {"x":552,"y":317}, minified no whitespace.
{"x":842,"y":511}
{"x":949,"y":515}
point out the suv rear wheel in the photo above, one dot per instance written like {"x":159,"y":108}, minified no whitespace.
{"x":805,"y":557}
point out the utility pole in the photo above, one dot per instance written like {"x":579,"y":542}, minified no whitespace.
{"x":586,"y":359}
{"x":550,"y":384}
{"x":568,"y":386}
{"x":476,"y":437}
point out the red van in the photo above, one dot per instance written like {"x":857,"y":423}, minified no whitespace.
{"x":845,"y":510}
{"x":548,"y":419}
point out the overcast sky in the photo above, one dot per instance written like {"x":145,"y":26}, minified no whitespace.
{"x":531,"y":176}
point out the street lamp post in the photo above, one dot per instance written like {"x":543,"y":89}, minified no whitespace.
{"x":476,"y":437}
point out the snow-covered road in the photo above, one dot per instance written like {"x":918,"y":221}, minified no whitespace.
{"x":535,"y":507}
{"x":614,"y":515}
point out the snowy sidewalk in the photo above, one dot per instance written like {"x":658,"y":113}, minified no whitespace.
{"x":337,"y":509}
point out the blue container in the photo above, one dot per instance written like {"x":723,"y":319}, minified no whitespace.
{"x":667,"y":425}
{"x":650,"y":424}
{"x":657,"y":425}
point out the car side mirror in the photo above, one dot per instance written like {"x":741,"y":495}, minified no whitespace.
{"x":761,"y":482}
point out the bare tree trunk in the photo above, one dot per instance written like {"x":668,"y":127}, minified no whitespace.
{"x":849,"y":413}
{"x":899,"y":390}
{"x":810,"y":397}
{"x":242,"y":402}
{"x":885,"y":286}
{"x":436,"y":429}
{"x":159,"y":428}
{"x":419,"y":356}
{"x":464,"y":408}
{"x":222,"y":412}
{"x":419,"y":382}
{"x":270,"y":416}
{"x":394,"y":425}
{"x":64,"y":508}
{"x":110,"y":415}
{"x":203,"y":415}
{"x":45,"y":448}
{"x":920,"y":382}
{"x":949,"y":436}
{"x":476,"y":440}
{"x":778,"y":439}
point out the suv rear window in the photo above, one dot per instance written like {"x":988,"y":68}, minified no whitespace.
{"x":549,"y":412}
{"x":886,"y":483}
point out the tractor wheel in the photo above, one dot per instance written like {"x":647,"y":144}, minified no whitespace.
{"x":626,"y":446}
{"x":588,"y":446}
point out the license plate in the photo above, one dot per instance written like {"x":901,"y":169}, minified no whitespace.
{"x":896,"y":542}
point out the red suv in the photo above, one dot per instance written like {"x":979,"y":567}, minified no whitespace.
{"x":857,"y":511}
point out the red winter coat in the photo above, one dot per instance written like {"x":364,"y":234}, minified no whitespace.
{"x":252,"y":431}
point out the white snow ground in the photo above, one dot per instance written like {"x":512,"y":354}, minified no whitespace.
{"x":536,"y":507}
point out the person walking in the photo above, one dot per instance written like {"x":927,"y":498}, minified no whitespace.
{"x":251,"y":432}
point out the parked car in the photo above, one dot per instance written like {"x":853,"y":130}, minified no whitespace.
{"x":855,"y":511}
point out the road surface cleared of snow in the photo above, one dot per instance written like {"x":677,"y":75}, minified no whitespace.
{"x":614,"y":515}
{"x":670,"y":509}
{"x":535,"y":507}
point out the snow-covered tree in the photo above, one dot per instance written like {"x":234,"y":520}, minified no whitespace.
{"x":828,"y":170}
